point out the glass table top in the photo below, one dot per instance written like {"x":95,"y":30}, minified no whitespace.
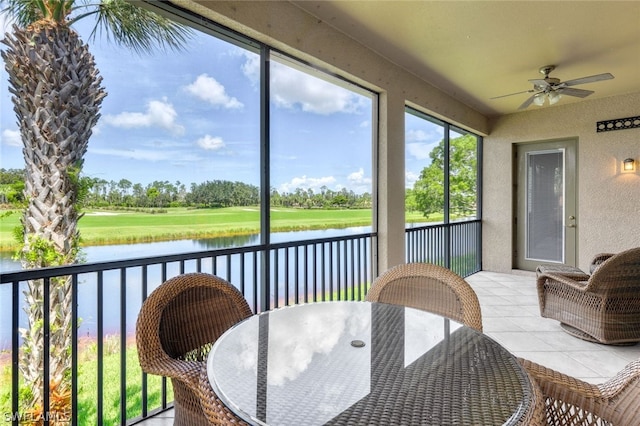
{"x":361,"y":362}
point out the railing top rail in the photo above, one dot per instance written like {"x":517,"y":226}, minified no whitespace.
{"x":442,"y":225}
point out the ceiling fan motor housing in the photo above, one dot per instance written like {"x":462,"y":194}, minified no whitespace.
{"x":546,"y":70}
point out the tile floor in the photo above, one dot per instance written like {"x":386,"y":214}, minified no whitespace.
{"x":510,"y":315}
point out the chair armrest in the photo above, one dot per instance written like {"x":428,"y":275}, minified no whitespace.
{"x":597,"y":260}
{"x":624,"y":378}
{"x":164,"y":365}
{"x":566,"y":270}
{"x":612,"y":402}
{"x":560,"y":386}
{"x":601,"y":257}
{"x":581,"y":286}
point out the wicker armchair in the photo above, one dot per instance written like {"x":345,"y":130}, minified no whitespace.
{"x":573,"y":402}
{"x":605,"y":308}
{"x":176,"y":327}
{"x":431,"y":288}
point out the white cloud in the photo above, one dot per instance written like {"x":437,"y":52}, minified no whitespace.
{"x":133,"y":154}
{"x":11,"y":138}
{"x":210,"y":143}
{"x":251,"y":67}
{"x":210,"y":90}
{"x":146,"y":154}
{"x":305,"y":182}
{"x":416,"y":136}
{"x":358,"y":182}
{"x":291,"y":88}
{"x":159,"y":113}
{"x":420,"y":151}
{"x":284,"y":157}
{"x":410,"y":179}
{"x":358,"y":178}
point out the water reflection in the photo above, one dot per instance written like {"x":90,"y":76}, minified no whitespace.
{"x":295,"y":338}
{"x":227,"y":242}
{"x":291,"y":352}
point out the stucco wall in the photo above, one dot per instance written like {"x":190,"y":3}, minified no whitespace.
{"x":608,"y":201}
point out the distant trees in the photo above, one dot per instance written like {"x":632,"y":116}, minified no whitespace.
{"x":221,"y":193}
{"x":11,"y":186}
{"x":324,"y":199}
{"x":123,"y":193}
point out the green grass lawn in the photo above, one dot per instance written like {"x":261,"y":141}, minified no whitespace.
{"x":126,"y":227}
{"x":88,"y":385}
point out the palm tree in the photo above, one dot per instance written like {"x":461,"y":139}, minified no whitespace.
{"x":57,"y":93}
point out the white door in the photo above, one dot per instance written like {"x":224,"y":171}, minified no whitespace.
{"x":546,"y":221}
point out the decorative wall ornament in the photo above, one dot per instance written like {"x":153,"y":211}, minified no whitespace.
{"x":618,"y":124}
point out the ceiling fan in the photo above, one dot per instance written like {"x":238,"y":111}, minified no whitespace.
{"x":552,"y":88}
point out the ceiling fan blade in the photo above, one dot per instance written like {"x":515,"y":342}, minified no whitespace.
{"x":579,"y":93}
{"x":511,"y":94}
{"x":590,"y":79}
{"x":540,"y":82}
{"x":528,"y":102}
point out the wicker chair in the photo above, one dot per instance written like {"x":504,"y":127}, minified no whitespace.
{"x":572,"y":402}
{"x":605,"y":308}
{"x":431,"y":288}
{"x":176,"y":327}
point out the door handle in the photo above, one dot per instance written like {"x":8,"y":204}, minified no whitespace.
{"x":571,"y":225}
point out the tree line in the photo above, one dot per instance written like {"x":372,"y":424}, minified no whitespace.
{"x":123,"y":194}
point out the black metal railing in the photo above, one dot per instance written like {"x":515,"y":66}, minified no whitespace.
{"x":108,"y":295}
{"x":457,"y":245}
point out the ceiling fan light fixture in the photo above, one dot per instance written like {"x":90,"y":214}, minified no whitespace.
{"x":539,"y":99}
{"x":554,"y":97}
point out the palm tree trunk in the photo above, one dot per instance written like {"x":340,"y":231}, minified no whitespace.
{"x":56,"y":95}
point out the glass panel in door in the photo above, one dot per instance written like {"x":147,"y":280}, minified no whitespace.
{"x":545,"y":206}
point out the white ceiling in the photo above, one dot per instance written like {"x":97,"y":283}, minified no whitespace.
{"x":476,"y":50}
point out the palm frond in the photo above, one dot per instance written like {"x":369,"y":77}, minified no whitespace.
{"x":26,"y":12}
{"x":136,"y":28}
{"x":23,"y":12}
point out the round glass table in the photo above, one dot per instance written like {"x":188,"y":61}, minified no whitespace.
{"x":365,"y":363}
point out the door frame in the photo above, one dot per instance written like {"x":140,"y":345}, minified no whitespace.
{"x":570,"y":201}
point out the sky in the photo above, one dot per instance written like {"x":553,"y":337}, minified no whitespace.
{"x":194,"y":116}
